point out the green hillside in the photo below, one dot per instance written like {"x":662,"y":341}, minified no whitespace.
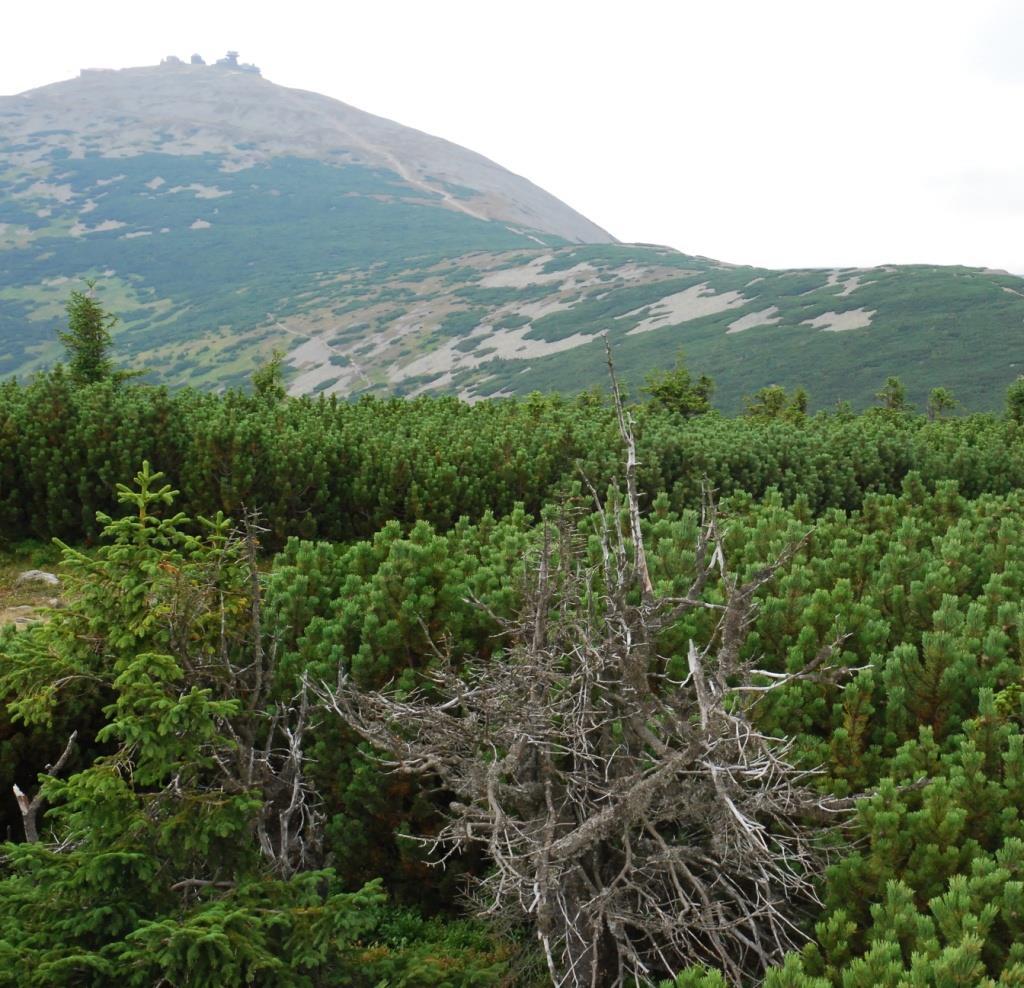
{"x":206,"y":251}
{"x":500,"y":324}
{"x":223,"y":217}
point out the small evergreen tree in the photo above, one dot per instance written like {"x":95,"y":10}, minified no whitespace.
{"x":940,"y":400}
{"x":766,"y":403}
{"x":185,"y":853}
{"x":675,"y":391}
{"x":773,"y":402}
{"x":268,"y":378}
{"x":893,"y":397}
{"x":87,"y":341}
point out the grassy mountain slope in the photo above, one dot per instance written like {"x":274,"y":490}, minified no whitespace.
{"x":837,"y":332}
{"x":224,"y":216}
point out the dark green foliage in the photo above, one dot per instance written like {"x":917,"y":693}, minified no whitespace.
{"x":773,"y":402}
{"x":675,"y":391}
{"x":149,"y":871}
{"x":940,"y":401}
{"x":927,"y":589}
{"x":87,"y":341}
{"x":923,"y":584}
{"x":461,"y":322}
{"x":374,"y":609}
{"x":329,"y":469}
{"x":911,"y":529}
{"x":893,"y":397}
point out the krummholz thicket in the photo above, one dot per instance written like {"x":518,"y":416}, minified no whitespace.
{"x":196,"y":813}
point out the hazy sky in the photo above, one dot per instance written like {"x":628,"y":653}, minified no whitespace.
{"x":772,"y":132}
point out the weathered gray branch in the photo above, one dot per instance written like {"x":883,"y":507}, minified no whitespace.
{"x":30,"y":808}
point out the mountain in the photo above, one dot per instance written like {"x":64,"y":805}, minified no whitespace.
{"x":224,"y":216}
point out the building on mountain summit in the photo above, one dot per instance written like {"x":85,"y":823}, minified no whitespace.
{"x":230,"y":61}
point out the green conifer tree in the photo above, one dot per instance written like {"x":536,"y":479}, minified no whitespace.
{"x":268,"y":378}
{"x":87,"y":340}
{"x":675,"y":391}
{"x":774,"y":402}
{"x":893,"y":396}
{"x":940,"y":401}
{"x":157,"y":861}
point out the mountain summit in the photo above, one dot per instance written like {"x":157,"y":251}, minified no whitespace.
{"x":224,"y":217}
{"x":230,"y":111}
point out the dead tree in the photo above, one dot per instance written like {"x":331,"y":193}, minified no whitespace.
{"x":639,"y":823}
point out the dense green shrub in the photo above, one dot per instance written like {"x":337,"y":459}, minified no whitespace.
{"x":405,"y":528}
{"x":319,"y":468}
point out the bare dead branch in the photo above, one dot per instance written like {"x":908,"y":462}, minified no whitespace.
{"x":199,"y":883}
{"x":30,"y":808}
{"x":633,"y":499}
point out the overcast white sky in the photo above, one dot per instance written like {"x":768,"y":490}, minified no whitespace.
{"x":771,"y":132}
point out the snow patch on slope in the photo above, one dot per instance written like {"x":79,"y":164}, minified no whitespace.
{"x":840,"y":322}
{"x":693,"y":303}
{"x":766,"y":317}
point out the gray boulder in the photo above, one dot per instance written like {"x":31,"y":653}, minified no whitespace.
{"x":37,"y":576}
